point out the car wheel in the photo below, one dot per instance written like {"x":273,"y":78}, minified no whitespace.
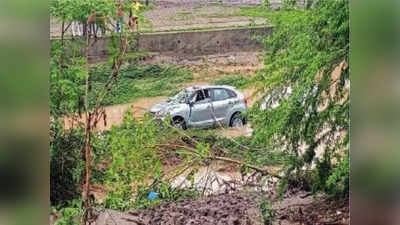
{"x":237,"y":120}
{"x":179,"y":122}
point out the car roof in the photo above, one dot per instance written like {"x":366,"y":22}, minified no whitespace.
{"x":196,"y":87}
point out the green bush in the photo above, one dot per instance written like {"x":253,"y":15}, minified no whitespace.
{"x":71,"y":214}
{"x":166,"y":194}
{"x":137,"y":81}
{"x":237,"y":81}
{"x":66,"y":164}
{"x":333,"y":178}
{"x":303,"y":44}
{"x":267,"y":212}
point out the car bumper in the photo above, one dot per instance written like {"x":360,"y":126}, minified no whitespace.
{"x":158,"y":117}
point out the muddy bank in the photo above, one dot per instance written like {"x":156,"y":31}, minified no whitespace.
{"x":300,"y":208}
{"x":229,"y":209}
{"x":115,"y":113}
{"x":236,"y":209}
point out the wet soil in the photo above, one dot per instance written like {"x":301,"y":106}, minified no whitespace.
{"x":236,"y":131}
{"x":303,"y":208}
{"x":236,"y":208}
{"x":115,"y":113}
{"x":229,"y":209}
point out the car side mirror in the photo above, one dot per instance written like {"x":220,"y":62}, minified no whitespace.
{"x":190,"y":103}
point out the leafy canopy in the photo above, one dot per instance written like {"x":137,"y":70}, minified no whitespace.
{"x":306,"y":105}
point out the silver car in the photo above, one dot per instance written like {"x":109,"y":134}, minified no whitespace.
{"x":203,"y":106}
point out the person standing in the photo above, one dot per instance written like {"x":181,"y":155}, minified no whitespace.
{"x":92,"y":24}
{"x":134,"y":15}
{"x":76,"y":28}
{"x":120,"y":18}
{"x":101,"y":24}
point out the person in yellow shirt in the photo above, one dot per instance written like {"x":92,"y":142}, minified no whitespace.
{"x":134,"y":15}
{"x":136,"y":5}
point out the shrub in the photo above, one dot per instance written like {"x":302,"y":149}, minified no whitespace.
{"x":66,"y":165}
{"x":306,"y":43}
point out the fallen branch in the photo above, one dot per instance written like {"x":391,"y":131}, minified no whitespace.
{"x":258,"y":169}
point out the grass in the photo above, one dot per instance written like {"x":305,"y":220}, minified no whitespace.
{"x":263,"y":12}
{"x":254,"y":12}
{"x":237,"y":81}
{"x":218,"y":15}
{"x":199,"y":29}
{"x":183,"y":16}
{"x":137,"y":81}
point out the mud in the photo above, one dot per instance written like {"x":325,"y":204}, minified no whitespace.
{"x":297,"y":208}
{"x":303,"y":208}
{"x":115,"y":113}
{"x":227,"y":209}
{"x":236,"y":132}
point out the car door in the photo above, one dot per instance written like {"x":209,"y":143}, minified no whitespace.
{"x":200,"y":110}
{"x":221,"y":104}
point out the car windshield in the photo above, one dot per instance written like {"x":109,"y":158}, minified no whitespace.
{"x":181,"y":97}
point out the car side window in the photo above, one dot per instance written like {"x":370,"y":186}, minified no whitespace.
{"x":220,"y":94}
{"x":232,"y":94}
{"x":202,"y":95}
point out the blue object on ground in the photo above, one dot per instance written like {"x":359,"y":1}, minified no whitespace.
{"x":152,"y":195}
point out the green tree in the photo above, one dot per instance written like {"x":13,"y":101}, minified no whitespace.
{"x":70,"y":85}
{"x":304,"y":49}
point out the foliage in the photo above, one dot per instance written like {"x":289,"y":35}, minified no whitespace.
{"x":305,"y":43}
{"x":336,"y":182}
{"x":237,"y":81}
{"x":66,"y":165}
{"x":309,"y":3}
{"x":250,"y":11}
{"x":266,"y":4}
{"x":243,"y":148}
{"x":137,"y":81}
{"x":67,"y":76}
{"x":134,"y":167}
{"x":79,"y":10}
{"x":134,"y":159}
{"x":166,"y":194}
{"x":71,"y":214}
{"x":267,"y":211}
{"x":289,"y":4}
